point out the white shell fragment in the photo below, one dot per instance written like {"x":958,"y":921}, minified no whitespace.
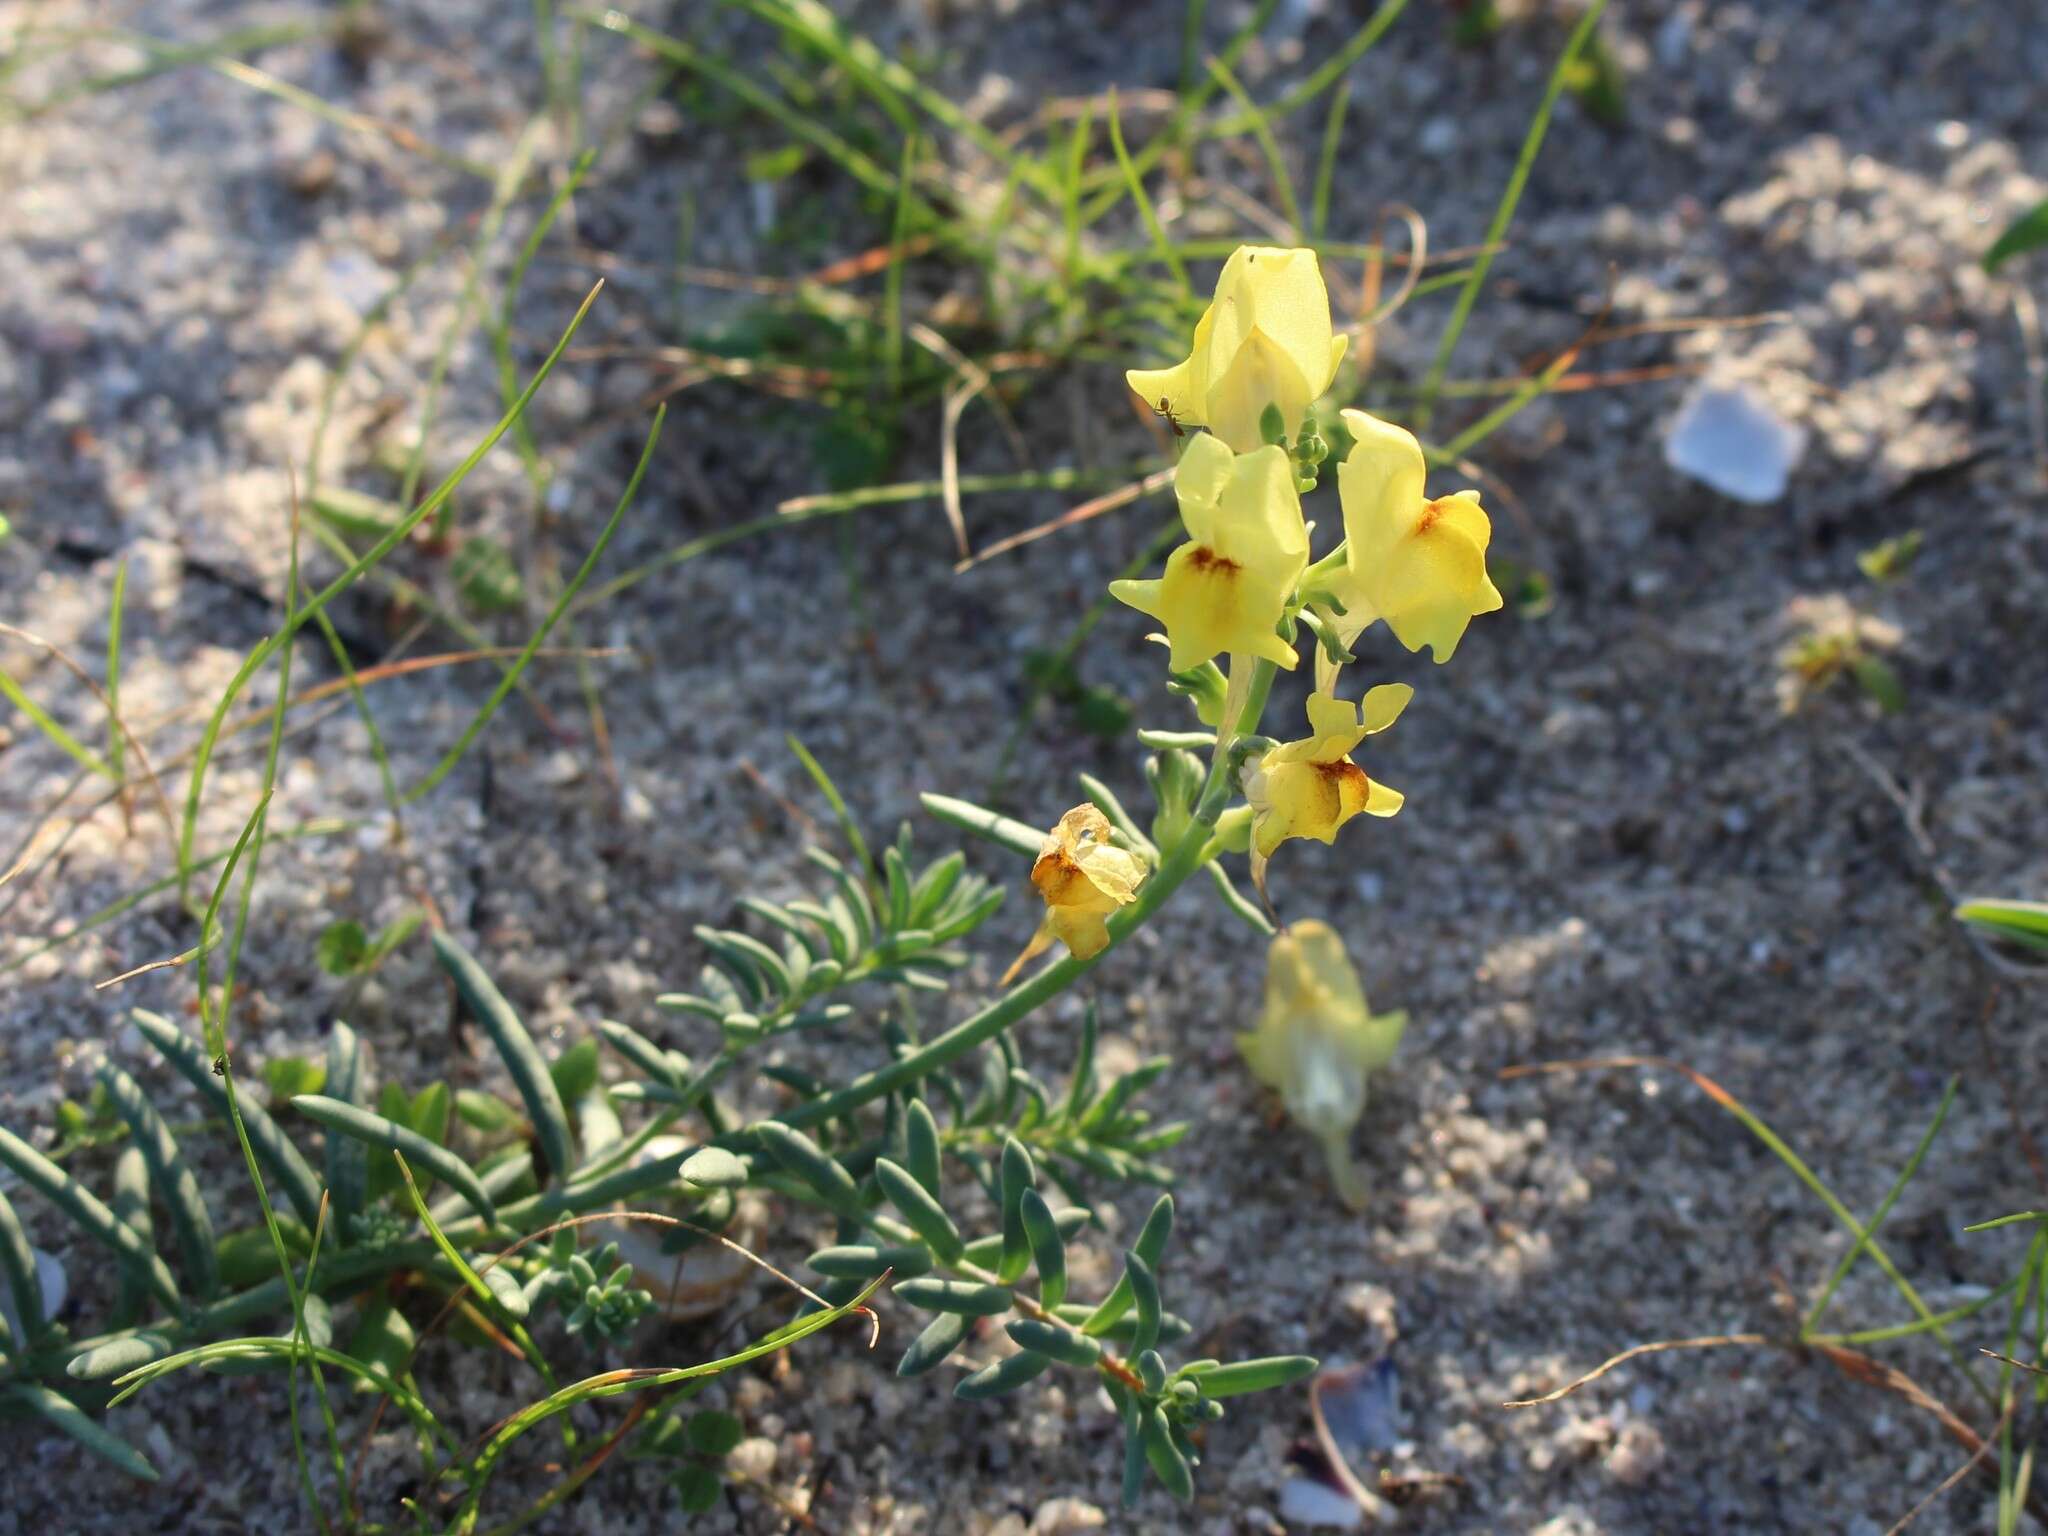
{"x":1729,"y":438}
{"x":1306,"y":1502}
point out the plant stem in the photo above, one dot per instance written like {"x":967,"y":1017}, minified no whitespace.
{"x":1188,"y":855}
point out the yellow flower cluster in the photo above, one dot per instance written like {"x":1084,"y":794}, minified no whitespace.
{"x":1264,"y":352}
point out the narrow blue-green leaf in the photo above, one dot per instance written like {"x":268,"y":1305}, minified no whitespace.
{"x":641,"y":1052}
{"x":119,"y":1356}
{"x":982,"y":822}
{"x":921,"y":1146}
{"x":865,"y":1261}
{"x":1244,"y":1376}
{"x":1151,"y":1244}
{"x":1163,"y":1456}
{"x":1018,"y":1177}
{"x":1004,"y":1376}
{"x":983,"y":1252}
{"x":848,"y":827}
{"x":971,"y":1298}
{"x":522,"y":1057}
{"x":59,"y":1411}
{"x":1062,"y":1344}
{"x":270,"y":1143}
{"x":91,"y":1215}
{"x":1145,"y":1298}
{"x":714,"y":1168}
{"x":348,"y":1162}
{"x":804,"y":1158}
{"x":376,"y":1131}
{"x":18,"y":1263}
{"x":1048,"y":1250}
{"x":171,"y":1176}
{"x":924,"y":1213}
{"x":941,"y":1336}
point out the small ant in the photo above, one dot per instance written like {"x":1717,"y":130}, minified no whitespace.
{"x":220,"y":1066}
{"x":1163,"y":408}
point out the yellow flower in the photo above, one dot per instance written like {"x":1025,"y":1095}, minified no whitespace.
{"x":1418,"y":564}
{"x":1310,"y":788}
{"x":1264,"y":340}
{"x":1316,"y":1042}
{"x":1084,"y":878}
{"x":1226,"y":589}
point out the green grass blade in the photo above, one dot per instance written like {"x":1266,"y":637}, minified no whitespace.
{"x":1134,"y":182}
{"x":561,"y":607}
{"x":1331,"y":69}
{"x":117,"y":747}
{"x":321,"y":827}
{"x":1504,"y":211}
{"x":848,"y":827}
{"x":1262,"y":131}
{"x":263,"y":652}
{"x":1326,"y":161}
{"x":71,"y":746}
{"x":613,"y":1383}
{"x":522,"y":1057}
{"x":2022,"y":922}
{"x":2027,"y":232}
{"x":501,"y":332}
{"x":1883,"y":1210}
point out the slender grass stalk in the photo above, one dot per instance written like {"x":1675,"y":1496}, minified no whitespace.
{"x":1848,"y":1260}
{"x":117,"y":748}
{"x":613,"y":1383}
{"x":347,"y":578}
{"x":1262,"y":131}
{"x":1027,"y":996}
{"x":503,"y":190}
{"x":71,"y":746}
{"x":1334,"y":67}
{"x":515,"y":280}
{"x":1135,"y":182}
{"x":1326,"y":162}
{"x":892,"y":277}
{"x":539,"y":637}
{"x":1504,"y":212}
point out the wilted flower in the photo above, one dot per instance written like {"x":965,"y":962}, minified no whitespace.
{"x":1226,"y":589}
{"x":1084,"y":878}
{"x":1310,"y":788}
{"x":1418,"y":564}
{"x":1264,"y":340}
{"x":1316,"y":1042}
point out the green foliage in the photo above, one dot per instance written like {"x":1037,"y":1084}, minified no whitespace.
{"x":2028,"y":232}
{"x":344,"y":948}
{"x":2021,"y":923}
{"x":1889,"y":560}
{"x":486,"y":577}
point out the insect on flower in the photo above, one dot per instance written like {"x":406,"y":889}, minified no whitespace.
{"x":1165,"y":408}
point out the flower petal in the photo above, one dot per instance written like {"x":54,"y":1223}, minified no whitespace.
{"x":1383,"y":705}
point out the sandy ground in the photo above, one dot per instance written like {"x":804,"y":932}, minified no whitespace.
{"x":1616,"y":840}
